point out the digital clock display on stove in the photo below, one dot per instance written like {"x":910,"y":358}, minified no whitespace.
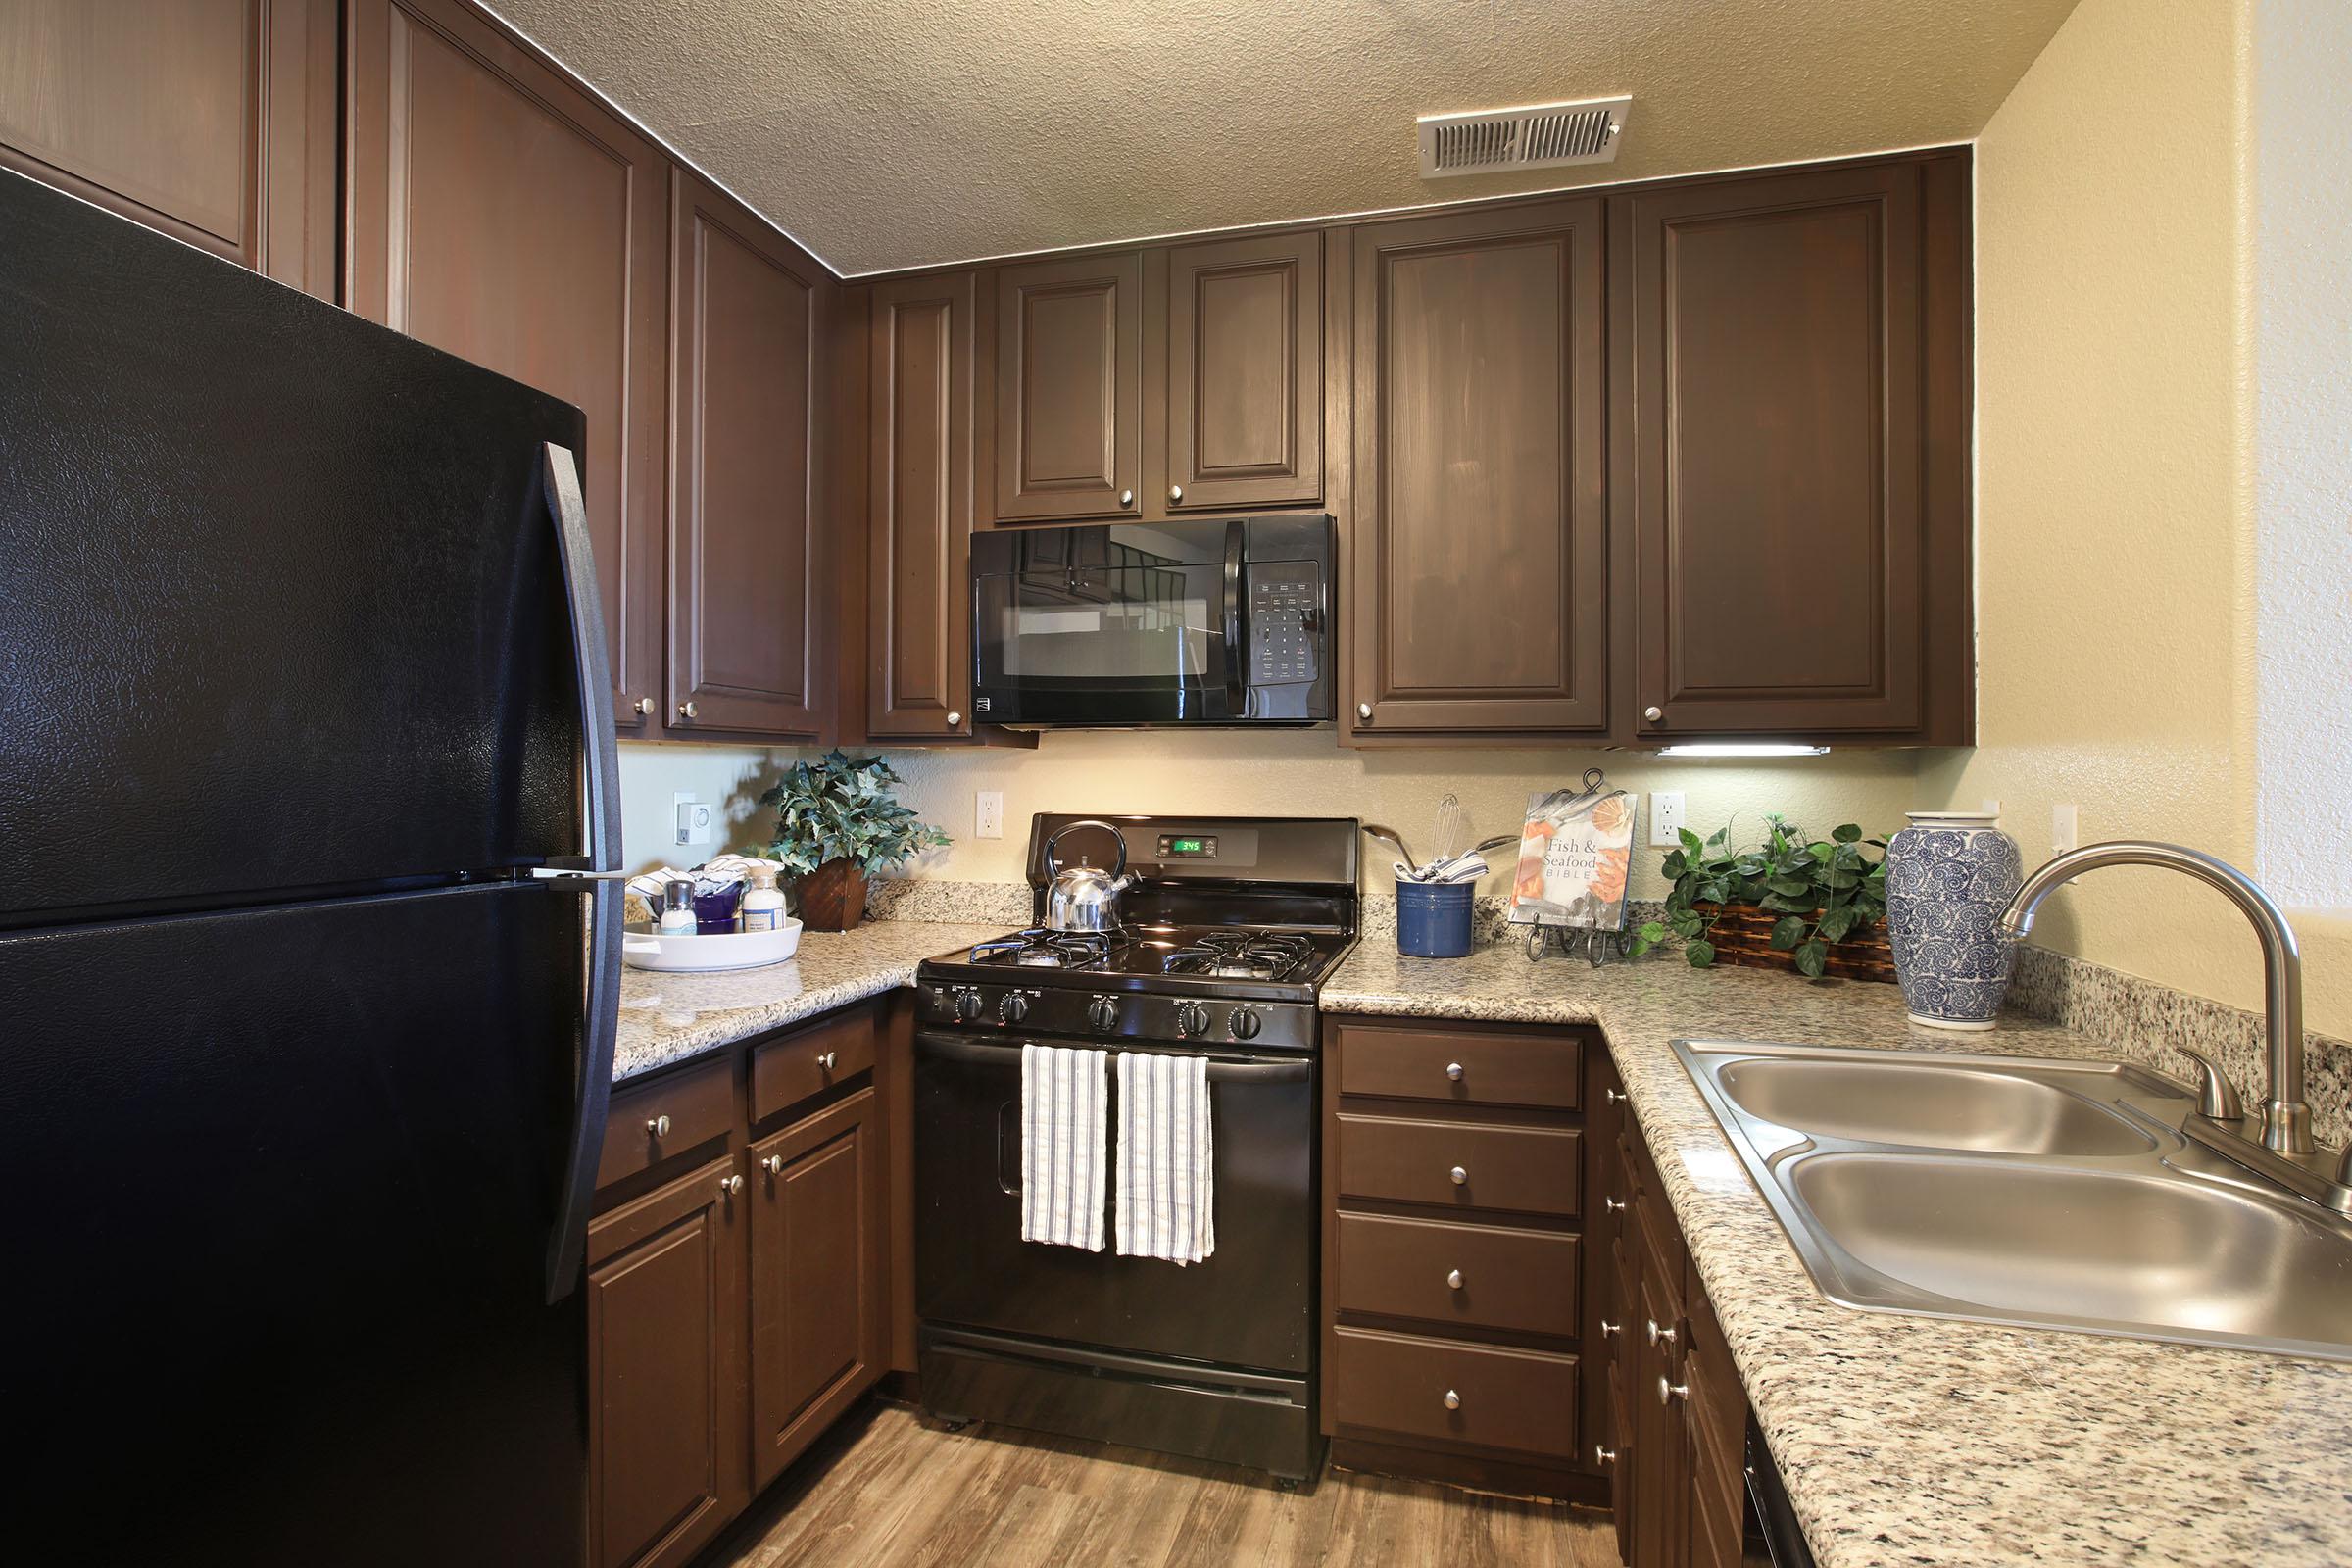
{"x":1171,"y":847}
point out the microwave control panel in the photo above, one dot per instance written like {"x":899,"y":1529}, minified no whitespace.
{"x":1286,"y":622}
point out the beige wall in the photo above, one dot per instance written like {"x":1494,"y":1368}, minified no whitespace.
{"x":2116,"y":621}
{"x":1298,"y":773}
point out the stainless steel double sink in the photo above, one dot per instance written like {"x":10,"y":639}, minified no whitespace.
{"x":2043,"y":1194}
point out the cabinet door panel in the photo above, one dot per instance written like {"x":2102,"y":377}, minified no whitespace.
{"x":1245,"y":373}
{"x":920,"y":501}
{"x":745,"y":565}
{"x":1070,"y":387}
{"x":818,"y":1246}
{"x":666,"y":1372}
{"x":212,"y":121}
{"x":501,"y":215}
{"x":1776,"y":329}
{"x":1480,"y":600}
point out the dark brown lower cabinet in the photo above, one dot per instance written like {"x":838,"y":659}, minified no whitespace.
{"x":738,"y":1289}
{"x":666,"y":1388}
{"x":817,"y":1294}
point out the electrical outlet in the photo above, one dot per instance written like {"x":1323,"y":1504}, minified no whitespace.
{"x":2062,"y":829}
{"x":1992,"y":806}
{"x":1665,"y":817}
{"x":987,"y":814}
{"x":696,"y":819}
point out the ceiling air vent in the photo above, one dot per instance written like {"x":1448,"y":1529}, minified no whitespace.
{"x":1489,"y":141}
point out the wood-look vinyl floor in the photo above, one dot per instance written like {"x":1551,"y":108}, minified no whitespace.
{"x":885,"y":1490}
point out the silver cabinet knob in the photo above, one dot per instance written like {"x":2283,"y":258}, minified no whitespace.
{"x":1454,"y":1279}
{"x":955,"y":718}
{"x":1459,"y":1175}
{"x":1653,"y":712}
{"x":1175,"y":492}
{"x":1659,"y":1336}
{"x":1602,"y":1453}
{"x":1126,"y":498}
{"x":1453,"y":1400}
{"x":1668,"y":1392}
{"x":827,"y":1061}
{"x":773,"y":1164}
{"x":1615,"y":1205}
{"x":1453,"y":1071}
{"x":686,"y":711}
{"x":729,"y":1186}
{"x":658,"y":1127}
{"x":1613,"y":1097}
{"x":643,"y":707}
{"x":1609,"y":1330}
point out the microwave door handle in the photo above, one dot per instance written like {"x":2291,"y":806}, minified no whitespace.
{"x":1237,"y":694}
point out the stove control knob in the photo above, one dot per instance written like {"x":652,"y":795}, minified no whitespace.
{"x":1103,"y":1013}
{"x":967,"y":1006}
{"x":1244,"y":1022}
{"x":1013,"y":1008}
{"x":1191,"y":1019}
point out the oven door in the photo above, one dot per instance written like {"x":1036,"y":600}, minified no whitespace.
{"x":1110,"y":625}
{"x":1250,"y":1304}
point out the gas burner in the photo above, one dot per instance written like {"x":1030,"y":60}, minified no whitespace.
{"x":1240,"y":955}
{"x":1040,"y":948}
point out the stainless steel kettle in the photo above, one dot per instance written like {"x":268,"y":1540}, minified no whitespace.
{"x":1083,"y":898}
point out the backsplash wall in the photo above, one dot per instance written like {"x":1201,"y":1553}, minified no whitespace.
{"x":1290,"y":774}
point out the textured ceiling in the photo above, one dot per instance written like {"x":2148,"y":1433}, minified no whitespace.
{"x":885,"y":135}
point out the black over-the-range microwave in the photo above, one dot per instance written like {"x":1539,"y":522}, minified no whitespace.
{"x":1116,"y":625}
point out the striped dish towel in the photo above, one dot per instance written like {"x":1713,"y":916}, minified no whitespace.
{"x":1063,"y":1123}
{"x":1167,"y":1186}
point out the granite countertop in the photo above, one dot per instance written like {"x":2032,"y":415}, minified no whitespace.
{"x":1919,"y":1441}
{"x":666,"y":1019}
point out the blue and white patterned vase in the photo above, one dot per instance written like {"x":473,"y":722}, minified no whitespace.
{"x":1950,"y":875}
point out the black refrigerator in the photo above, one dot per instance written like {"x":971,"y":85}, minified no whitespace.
{"x":307,"y":988}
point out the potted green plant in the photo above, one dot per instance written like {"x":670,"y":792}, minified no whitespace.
{"x":836,"y":824}
{"x":1793,"y":902}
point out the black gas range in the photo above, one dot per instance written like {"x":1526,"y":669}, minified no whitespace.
{"x":1231,"y":926}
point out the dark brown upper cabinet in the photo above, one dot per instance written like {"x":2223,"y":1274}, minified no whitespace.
{"x":1238,"y":329}
{"x":747,"y":562}
{"x":212,"y":121}
{"x":1478,"y":588}
{"x":1796,"y":482}
{"x":498,"y":212}
{"x":919,"y":508}
{"x":1068,"y":351}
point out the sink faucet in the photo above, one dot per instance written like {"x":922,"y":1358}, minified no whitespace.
{"x":2285,"y":1116}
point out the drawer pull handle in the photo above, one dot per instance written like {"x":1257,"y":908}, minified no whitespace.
{"x":1612,"y":1097}
{"x":729,"y":1186}
{"x":657,"y":1127}
{"x":1453,"y":1071}
{"x":1453,"y":1400}
{"x":826,"y":1062}
{"x":1668,"y":1392}
{"x":1459,"y":1175}
{"x":1602,"y":1453}
{"x":1659,"y":1336}
{"x":1454,"y":1279}
{"x":773,"y":1164}
{"x":1615,"y":1205}
{"x":1609,"y":1330}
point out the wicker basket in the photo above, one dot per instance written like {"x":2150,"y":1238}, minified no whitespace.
{"x":1743,"y":937}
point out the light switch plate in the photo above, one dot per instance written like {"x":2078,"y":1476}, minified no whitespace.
{"x":2063,"y":833}
{"x":695,"y":819}
{"x":987,"y":815}
{"x":1665,"y":817}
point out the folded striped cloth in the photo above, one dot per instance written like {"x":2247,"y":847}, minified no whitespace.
{"x":1167,"y":1185}
{"x":1064,"y":1117}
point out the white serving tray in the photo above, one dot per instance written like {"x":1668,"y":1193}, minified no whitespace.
{"x":725,"y":950}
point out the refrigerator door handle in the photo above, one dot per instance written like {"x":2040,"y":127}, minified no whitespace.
{"x":601,"y":1025}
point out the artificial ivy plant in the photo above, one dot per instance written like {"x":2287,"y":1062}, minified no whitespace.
{"x":1823,"y":890}
{"x":840,"y":807}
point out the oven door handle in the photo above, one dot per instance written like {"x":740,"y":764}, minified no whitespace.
{"x":1237,"y":691}
{"x":1221,"y":1070}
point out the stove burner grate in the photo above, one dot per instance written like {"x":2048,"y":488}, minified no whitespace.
{"x":1241,"y":956}
{"x":1041,"y":949}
